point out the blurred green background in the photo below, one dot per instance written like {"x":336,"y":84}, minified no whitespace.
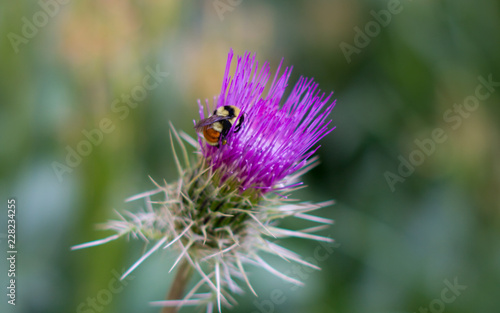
{"x":397,"y":248}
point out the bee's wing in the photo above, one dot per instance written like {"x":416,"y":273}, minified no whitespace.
{"x":210,"y":120}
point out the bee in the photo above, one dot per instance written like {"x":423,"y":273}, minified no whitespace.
{"x":215,"y":128}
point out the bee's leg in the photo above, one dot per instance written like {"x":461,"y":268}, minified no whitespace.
{"x":226,"y":126}
{"x":240,"y":123}
{"x":237,"y":128}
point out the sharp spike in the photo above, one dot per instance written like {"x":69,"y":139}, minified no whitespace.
{"x":245,"y":277}
{"x":144,"y":257}
{"x":217,"y":280}
{"x":96,"y":242}
{"x":274,"y":271}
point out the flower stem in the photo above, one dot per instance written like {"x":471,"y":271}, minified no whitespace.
{"x":181,"y":280}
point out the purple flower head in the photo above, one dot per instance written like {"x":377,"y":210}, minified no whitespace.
{"x":276,"y":141}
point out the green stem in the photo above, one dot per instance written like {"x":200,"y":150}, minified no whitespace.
{"x":178,"y":287}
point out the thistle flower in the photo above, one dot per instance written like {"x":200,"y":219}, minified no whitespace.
{"x":223,"y":211}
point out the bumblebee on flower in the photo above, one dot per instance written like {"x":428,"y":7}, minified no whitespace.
{"x":216,"y":127}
